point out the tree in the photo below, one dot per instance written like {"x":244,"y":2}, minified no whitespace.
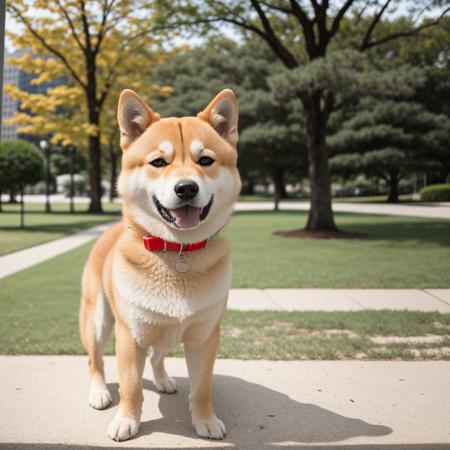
{"x":98,"y":45}
{"x":25,"y":165}
{"x":390,"y":140}
{"x":5,"y":175}
{"x":299,"y":32}
{"x":269,"y":132}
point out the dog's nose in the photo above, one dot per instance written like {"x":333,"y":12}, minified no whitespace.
{"x":186,"y":189}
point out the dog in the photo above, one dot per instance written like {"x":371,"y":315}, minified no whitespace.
{"x":161,"y":276}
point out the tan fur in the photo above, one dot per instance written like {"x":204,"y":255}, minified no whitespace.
{"x":153,"y":305}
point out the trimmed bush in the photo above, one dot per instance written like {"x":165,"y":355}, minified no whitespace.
{"x":436,"y":193}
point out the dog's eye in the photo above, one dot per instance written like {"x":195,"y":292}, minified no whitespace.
{"x":205,"y":161}
{"x":158,"y":162}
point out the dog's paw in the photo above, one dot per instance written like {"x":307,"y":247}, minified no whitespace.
{"x":166,"y":384}
{"x":99,"y":398}
{"x":212,"y":428}
{"x":123,"y":428}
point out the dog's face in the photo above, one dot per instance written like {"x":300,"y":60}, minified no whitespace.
{"x":179,"y":178}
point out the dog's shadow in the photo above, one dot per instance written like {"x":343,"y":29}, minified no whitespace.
{"x":255,"y":414}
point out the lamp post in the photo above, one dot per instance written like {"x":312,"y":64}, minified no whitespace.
{"x":46,"y":149}
{"x":71,"y":151}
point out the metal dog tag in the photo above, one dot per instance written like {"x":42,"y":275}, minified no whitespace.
{"x":182,"y":265}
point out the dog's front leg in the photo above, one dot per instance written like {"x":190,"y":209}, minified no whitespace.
{"x":200,"y":360}
{"x":131,"y":362}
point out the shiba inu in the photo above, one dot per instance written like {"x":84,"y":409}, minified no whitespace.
{"x":162,"y":275}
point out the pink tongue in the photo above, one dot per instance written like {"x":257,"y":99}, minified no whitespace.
{"x":186,"y":216}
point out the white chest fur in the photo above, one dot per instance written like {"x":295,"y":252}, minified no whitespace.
{"x":159,"y":295}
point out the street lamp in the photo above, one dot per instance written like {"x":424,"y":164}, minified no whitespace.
{"x":71,"y":151}
{"x":45,"y":147}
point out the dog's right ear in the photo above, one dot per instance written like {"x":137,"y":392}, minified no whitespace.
{"x":134,"y":117}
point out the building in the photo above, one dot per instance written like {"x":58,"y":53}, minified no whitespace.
{"x":10,"y":106}
{"x":18,"y":77}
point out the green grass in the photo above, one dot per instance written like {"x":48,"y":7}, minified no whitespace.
{"x":332,"y":335}
{"x":268,"y":198}
{"x":42,"y":318}
{"x":39,"y":306}
{"x":399,"y":252}
{"x":403,"y":199}
{"x":354,"y":199}
{"x":41,"y":227}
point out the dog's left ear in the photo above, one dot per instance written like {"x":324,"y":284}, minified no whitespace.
{"x":134,"y":117}
{"x":222,"y":114}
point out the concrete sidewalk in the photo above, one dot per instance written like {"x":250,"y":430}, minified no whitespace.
{"x":340,"y":299}
{"x":437,"y":211}
{"x":265,"y":404}
{"x":440,"y":211}
{"x":17,"y":261}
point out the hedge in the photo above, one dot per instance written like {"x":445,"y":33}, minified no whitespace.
{"x":436,"y":193}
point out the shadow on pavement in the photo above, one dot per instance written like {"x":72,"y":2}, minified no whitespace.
{"x":255,"y":416}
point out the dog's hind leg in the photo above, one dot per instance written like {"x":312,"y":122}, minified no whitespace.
{"x":163,"y":382}
{"x":96,"y":323}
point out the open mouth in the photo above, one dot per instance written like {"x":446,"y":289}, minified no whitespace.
{"x":185,"y":217}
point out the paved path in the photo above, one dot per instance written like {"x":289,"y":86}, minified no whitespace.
{"x":441,"y":211}
{"x":261,"y":299}
{"x":340,"y":299}
{"x":326,"y":405}
{"x":437,"y":211}
{"x":17,"y":261}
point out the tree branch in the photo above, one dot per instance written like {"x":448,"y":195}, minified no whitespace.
{"x":103,"y":28}
{"x":413,"y":32}
{"x":307,"y":28}
{"x":271,"y":38}
{"x":277,"y":8}
{"x":376,"y":19}
{"x":85,"y":22}
{"x":321,"y":19}
{"x":71,"y":26}
{"x":340,"y":14}
{"x":59,"y":55}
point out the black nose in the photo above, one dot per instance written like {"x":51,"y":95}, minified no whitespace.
{"x":186,"y":189}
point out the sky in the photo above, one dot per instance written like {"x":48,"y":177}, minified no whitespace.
{"x":15,"y":27}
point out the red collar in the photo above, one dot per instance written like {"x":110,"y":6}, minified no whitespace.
{"x":153,"y":243}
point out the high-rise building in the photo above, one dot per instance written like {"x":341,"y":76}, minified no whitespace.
{"x":22,"y":79}
{"x":10,"y":106}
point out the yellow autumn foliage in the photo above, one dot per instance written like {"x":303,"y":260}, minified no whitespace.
{"x":55,"y":34}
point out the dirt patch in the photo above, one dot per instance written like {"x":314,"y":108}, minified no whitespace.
{"x":235,"y":332}
{"x":304,"y":234}
{"x":429,"y":339}
{"x":344,"y":332}
{"x":443,"y":352}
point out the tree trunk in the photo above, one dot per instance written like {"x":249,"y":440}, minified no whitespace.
{"x":1,"y":202}
{"x":22,"y":211}
{"x":95,"y":193}
{"x":113,"y":176}
{"x":94,"y":108}
{"x":393,"y":188}
{"x":12,"y":196}
{"x":320,"y":216}
{"x":248,"y":186}
{"x":279,"y":190}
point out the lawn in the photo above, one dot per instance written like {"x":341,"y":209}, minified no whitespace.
{"x":41,"y":227}
{"x":354,"y":199}
{"x":399,"y":252}
{"x":42,"y":318}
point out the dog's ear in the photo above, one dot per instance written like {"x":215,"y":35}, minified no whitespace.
{"x":134,"y":117}
{"x":222,"y":114}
